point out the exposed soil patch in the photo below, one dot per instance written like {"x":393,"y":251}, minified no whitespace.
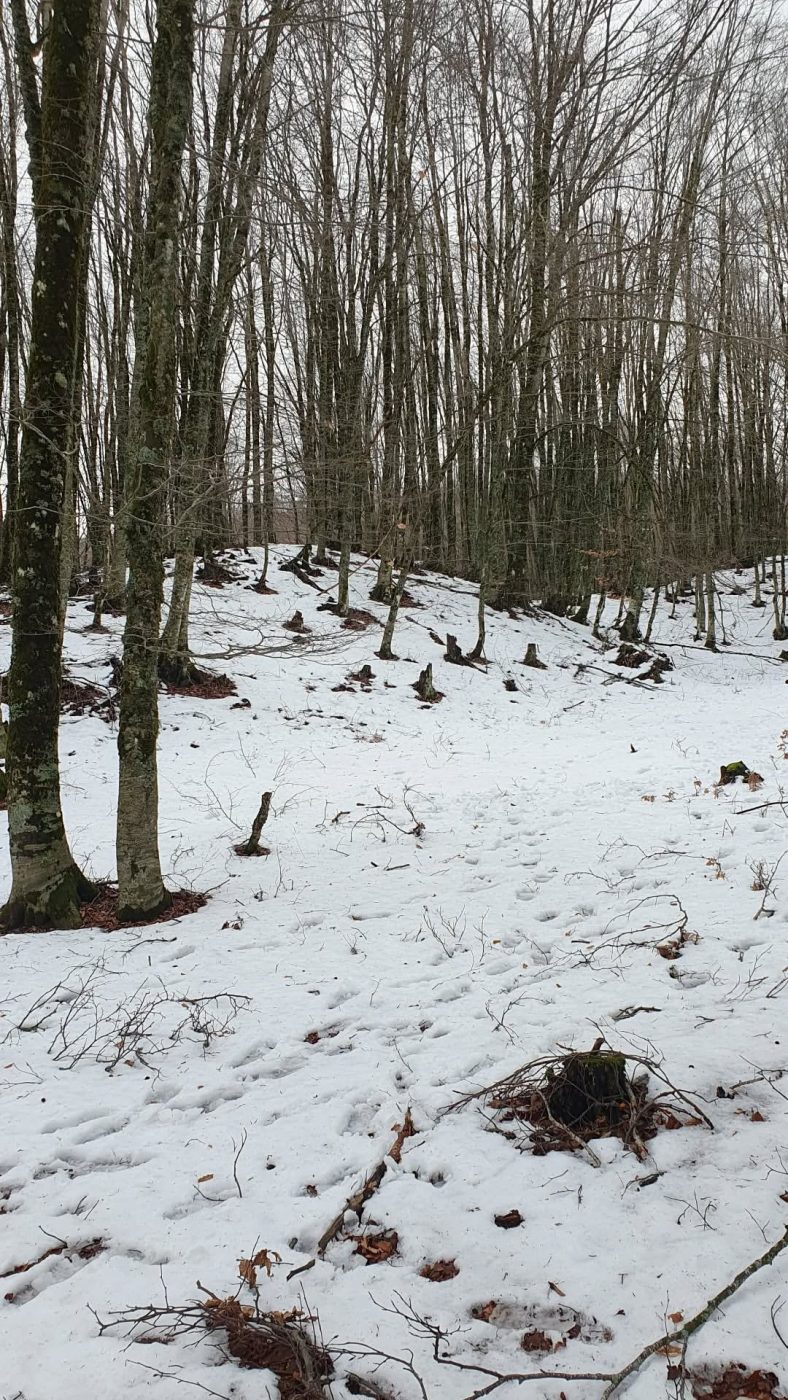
{"x":356,"y":619}
{"x":79,"y":697}
{"x":202,"y":685}
{"x":102,"y":911}
{"x":214,"y":574}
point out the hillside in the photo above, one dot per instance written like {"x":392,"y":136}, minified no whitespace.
{"x":453,"y":891}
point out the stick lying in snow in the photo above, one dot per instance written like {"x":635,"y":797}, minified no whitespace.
{"x":359,"y":1198}
{"x":682,"y":1334}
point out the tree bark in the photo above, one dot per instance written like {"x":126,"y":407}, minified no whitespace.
{"x":141,"y":891}
{"x":47,"y":885}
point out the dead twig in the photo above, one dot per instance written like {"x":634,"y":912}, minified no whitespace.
{"x":359,"y":1198}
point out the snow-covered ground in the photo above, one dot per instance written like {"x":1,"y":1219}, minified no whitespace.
{"x":452,"y":892}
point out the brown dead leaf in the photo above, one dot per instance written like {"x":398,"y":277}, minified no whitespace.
{"x":376,"y":1249}
{"x":440,"y":1271}
{"x":509,"y":1221}
{"x":538,"y":1341}
{"x":555,"y":1289}
{"x":676,"y":1317}
{"x":245,"y":1310}
{"x":754,"y":781}
{"x":208,"y":1177}
{"x":736,"y":1382}
{"x":403,"y":1130}
{"x":312,"y":1038}
{"x":265,"y":1259}
{"x":248,"y":1272}
{"x":281,"y":1319}
{"x":484,"y":1311}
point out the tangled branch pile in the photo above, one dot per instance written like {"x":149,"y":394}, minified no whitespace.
{"x":567,"y":1101}
{"x":279,"y":1342}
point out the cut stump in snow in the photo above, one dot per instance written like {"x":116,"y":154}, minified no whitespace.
{"x":363,"y":677}
{"x":252,"y":847}
{"x":213,"y":573}
{"x":568,"y":1100}
{"x":425,"y":689}
{"x":732,"y":772}
{"x":296,"y":623}
{"x":589,"y":1086}
{"x":531,"y":657}
{"x":454,"y":653}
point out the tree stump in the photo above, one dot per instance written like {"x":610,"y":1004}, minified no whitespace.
{"x":453,"y":652}
{"x":252,"y":847}
{"x":296,"y":623}
{"x":731,"y":772}
{"x":531,"y":658}
{"x":425,"y":689}
{"x":589,"y":1085}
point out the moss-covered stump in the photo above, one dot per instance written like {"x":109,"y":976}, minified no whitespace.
{"x":589,"y":1087}
{"x":732,"y":772}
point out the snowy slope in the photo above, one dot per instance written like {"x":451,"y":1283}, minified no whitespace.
{"x":562,"y":830}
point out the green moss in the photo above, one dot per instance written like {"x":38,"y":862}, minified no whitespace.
{"x":58,"y":906}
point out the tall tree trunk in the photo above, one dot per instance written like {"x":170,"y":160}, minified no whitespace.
{"x":141,"y":892}
{"x":47,"y":885}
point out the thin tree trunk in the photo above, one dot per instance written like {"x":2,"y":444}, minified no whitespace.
{"x":141,"y":892}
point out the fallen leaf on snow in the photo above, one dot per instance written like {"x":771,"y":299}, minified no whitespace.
{"x":376,"y":1249}
{"x":539,"y":1341}
{"x":509,"y":1220}
{"x":440,"y":1271}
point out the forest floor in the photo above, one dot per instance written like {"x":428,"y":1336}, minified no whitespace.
{"x":452,"y":892}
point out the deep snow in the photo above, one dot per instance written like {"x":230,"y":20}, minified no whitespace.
{"x":561,"y":825}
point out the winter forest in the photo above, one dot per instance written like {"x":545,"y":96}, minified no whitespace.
{"x":393,"y":651}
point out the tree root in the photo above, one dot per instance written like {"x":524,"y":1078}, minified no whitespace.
{"x":56,"y":906}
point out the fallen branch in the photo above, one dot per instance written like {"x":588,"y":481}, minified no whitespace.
{"x":613,"y":1381}
{"x":359,"y":1198}
{"x":682,"y":1334}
